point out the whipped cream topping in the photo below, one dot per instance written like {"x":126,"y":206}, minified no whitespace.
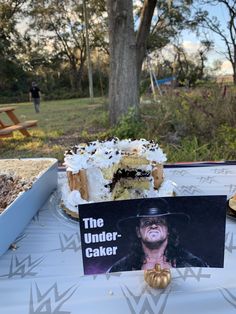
{"x":155,"y":154}
{"x":104,"y":157}
{"x":97,"y":186}
{"x":76,"y":162}
{"x":71,"y":199}
{"x":167,"y":188}
{"x":105,"y":154}
{"x":129,"y":146}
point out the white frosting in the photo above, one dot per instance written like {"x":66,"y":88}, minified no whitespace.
{"x":74,"y":198}
{"x":105,"y":154}
{"x":131,"y":146}
{"x":71,"y":199}
{"x":96,"y":186}
{"x":167,"y":188}
{"x":145,"y":167}
{"x":155,"y":155}
{"x":105,"y":158}
{"x":76,"y":162}
{"x":92,"y":147}
{"x":110,"y":144}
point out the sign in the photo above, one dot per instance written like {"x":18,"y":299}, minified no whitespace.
{"x":129,"y":235}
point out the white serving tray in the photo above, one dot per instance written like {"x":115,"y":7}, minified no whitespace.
{"x":19,"y":213}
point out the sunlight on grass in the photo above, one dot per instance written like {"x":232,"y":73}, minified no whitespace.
{"x":57,"y":120}
{"x":31,"y":145}
{"x":189,"y":125}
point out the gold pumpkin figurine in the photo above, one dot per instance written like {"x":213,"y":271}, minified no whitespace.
{"x":157,"y":277}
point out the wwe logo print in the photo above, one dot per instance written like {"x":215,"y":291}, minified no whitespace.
{"x":36,"y":217}
{"x":108,"y":276}
{"x":186,"y":190}
{"x":15,"y":245}
{"x":223,"y":171}
{"x":49,"y":302}
{"x":22,"y":267}
{"x":181,"y":172}
{"x":148,"y":301}
{"x":189,"y":272}
{"x":229,"y":296}
{"x":69,"y":242}
{"x":20,"y":238}
{"x":231,"y":188}
{"x":207,"y":179}
{"x":229,"y":242}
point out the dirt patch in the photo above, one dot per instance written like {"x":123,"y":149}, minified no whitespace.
{"x":75,"y":138}
{"x":92,"y":107}
{"x":66,"y":140}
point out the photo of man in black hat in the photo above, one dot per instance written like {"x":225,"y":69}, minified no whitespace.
{"x":155,"y":239}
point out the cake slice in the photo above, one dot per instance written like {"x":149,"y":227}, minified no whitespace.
{"x":113,"y":170}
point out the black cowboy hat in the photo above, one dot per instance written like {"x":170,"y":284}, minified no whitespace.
{"x":157,"y":207}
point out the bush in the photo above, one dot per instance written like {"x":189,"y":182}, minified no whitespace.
{"x":194,"y":124}
{"x":129,"y":126}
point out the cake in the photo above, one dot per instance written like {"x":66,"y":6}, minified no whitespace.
{"x":111,"y":170}
{"x":232,"y":204}
{"x":17,"y":176}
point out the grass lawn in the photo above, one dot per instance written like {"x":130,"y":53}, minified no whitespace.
{"x":190,"y":126}
{"x":61,"y":123}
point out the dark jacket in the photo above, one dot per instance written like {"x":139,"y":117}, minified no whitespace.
{"x":184,"y":259}
{"x":35,"y":92}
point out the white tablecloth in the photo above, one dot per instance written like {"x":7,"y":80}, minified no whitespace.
{"x":44,"y":273}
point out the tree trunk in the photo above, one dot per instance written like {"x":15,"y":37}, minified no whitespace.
{"x":234,"y":76}
{"x":81,"y":69}
{"x":73,"y":75}
{"x":79,"y":75}
{"x":76,"y":74}
{"x":123,"y":86}
{"x":234,"y":65}
{"x":143,"y":32}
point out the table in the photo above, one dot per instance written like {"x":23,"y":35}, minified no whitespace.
{"x":44,"y":274}
{"x":6,"y":130}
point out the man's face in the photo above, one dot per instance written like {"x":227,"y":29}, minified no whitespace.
{"x":152,"y":230}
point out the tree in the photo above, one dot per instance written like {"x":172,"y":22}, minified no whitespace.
{"x":168,"y":20}
{"x":226,"y":33}
{"x":61,"y":25}
{"x":129,"y":44}
{"x":9,"y":12}
{"x":206,"y":46}
{"x":10,"y":44}
{"x":189,"y":69}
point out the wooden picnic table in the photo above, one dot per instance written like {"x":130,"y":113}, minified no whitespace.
{"x":6,"y":130}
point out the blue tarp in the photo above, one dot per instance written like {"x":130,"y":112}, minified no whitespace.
{"x":165,"y":80}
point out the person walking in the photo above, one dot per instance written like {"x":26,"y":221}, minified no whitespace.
{"x":34,"y":95}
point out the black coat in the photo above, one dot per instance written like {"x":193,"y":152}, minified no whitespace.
{"x":183,"y":259}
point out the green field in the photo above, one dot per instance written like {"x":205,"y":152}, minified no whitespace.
{"x":188,"y":126}
{"x":60,"y":124}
